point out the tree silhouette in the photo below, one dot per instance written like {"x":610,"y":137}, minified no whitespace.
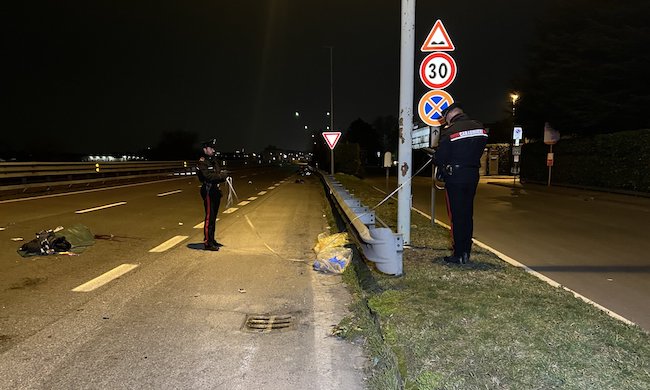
{"x":586,"y":68}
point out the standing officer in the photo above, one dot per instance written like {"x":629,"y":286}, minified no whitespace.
{"x":210,"y":175}
{"x":458,"y":159}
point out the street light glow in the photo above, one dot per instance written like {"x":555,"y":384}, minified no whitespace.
{"x":514,"y":96}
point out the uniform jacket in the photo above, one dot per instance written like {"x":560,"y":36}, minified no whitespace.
{"x":460,"y":148}
{"x":209,"y":171}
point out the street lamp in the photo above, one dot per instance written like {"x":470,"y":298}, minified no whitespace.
{"x":514,"y":97}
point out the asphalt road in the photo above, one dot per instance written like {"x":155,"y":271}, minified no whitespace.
{"x":174,"y":318}
{"x":594,"y":243}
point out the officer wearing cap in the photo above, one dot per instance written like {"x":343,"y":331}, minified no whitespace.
{"x":210,"y":175}
{"x":458,"y":159}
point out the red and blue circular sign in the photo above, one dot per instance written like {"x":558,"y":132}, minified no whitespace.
{"x":431,"y":105}
{"x":438,"y":70}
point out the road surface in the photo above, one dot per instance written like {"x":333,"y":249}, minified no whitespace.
{"x":174,"y":316}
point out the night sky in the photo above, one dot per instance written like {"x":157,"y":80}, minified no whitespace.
{"x":112,"y":76}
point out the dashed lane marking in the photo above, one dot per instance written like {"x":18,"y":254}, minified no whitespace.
{"x":252,"y":198}
{"x":261,"y":193}
{"x":201,"y":224}
{"x":168,"y":244}
{"x":243,"y":203}
{"x":169,"y":193}
{"x":271,"y":188}
{"x":105,"y":278}
{"x":99,"y":208}
{"x":230,"y":210}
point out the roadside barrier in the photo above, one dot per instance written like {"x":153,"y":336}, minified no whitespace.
{"x":26,"y":175}
{"x":20,"y":177}
{"x":378,"y":244}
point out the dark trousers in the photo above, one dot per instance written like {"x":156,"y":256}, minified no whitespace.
{"x":211,"y":195}
{"x":460,"y":208}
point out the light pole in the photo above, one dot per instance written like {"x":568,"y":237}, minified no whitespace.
{"x":331,"y":113}
{"x":404,"y":171}
{"x":514,"y":96}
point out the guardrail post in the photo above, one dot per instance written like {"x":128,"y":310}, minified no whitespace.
{"x":379,"y":245}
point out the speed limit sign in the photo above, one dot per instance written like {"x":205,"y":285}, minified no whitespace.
{"x":438,"y":70}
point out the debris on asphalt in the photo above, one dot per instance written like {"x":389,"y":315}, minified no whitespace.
{"x":242,"y":291}
{"x":64,"y":241}
{"x":1,"y":229}
{"x":180,"y":224}
{"x":327,"y":240}
{"x":331,"y":255}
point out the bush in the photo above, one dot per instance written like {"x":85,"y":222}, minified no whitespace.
{"x":616,"y":161}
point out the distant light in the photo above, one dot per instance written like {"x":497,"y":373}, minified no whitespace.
{"x":328,"y":113}
{"x":305,"y":127}
{"x":514,"y":97}
{"x":297,"y":114}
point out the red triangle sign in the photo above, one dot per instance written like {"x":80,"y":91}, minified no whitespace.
{"x":332,"y":137}
{"x":438,"y":39}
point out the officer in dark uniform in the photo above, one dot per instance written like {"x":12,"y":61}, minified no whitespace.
{"x":458,"y":159}
{"x":210,"y":175}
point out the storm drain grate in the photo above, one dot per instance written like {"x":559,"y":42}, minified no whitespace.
{"x":268,"y":323}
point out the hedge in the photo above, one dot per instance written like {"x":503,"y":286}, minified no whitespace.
{"x":616,"y":160}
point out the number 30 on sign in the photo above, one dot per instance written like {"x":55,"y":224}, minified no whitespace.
{"x":438,"y":70}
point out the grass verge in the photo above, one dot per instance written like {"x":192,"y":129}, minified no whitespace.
{"x":483,"y":326}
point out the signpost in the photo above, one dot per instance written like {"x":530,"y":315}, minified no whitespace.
{"x":551,"y":136}
{"x":437,"y":71}
{"x":431,"y":106}
{"x":332,"y":137}
{"x":388,"y":162}
{"x":438,"y":39}
{"x":517,"y":136}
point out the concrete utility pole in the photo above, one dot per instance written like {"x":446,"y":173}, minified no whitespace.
{"x":404,"y":171}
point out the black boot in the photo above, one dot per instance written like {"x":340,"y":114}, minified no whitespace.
{"x":455,"y":259}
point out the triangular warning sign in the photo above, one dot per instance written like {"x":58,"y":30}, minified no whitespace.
{"x":332,"y":137}
{"x":438,"y":39}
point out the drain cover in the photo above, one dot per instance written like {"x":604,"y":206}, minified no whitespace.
{"x":268,"y":323}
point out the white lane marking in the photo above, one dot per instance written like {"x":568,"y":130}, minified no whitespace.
{"x":252,"y":198}
{"x":515,"y":263}
{"x":168,"y":244}
{"x":230,"y":210}
{"x":277,"y":184}
{"x":261,"y":193}
{"x":243,"y":203}
{"x":105,"y":278}
{"x":271,"y":188}
{"x":201,"y":224}
{"x":85,"y":191}
{"x":169,"y":193}
{"x":99,"y":208}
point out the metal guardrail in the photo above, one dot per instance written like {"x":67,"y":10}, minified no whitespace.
{"x":378,"y":244}
{"x":24,"y":175}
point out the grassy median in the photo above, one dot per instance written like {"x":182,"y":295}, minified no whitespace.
{"x":483,"y":326}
